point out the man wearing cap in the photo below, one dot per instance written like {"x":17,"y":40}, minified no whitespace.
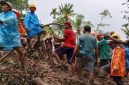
{"x":104,"y":49}
{"x":31,"y":22}
{"x":9,"y":35}
{"x":68,"y":46}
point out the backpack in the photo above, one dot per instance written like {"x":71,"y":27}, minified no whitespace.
{"x":127,"y":57}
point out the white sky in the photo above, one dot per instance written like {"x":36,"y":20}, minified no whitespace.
{"x":89,"y":8}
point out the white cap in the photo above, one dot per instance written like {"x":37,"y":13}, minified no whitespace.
{"x":8,"y":3}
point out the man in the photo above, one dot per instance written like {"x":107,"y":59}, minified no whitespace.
{"x":9,"y":35}
{"x":105,"y":54}
{"x":21,"y":28}
{"x":88,"y":51}
{"x":126,"y":48}
{"x":31,"y":22}
{"x":32,"y":25}
{"x":68,"y":46}
{"x":105,"y":50}
{"x":118,"y":64}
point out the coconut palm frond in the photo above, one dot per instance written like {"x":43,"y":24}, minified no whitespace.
{"x":126,"y":31}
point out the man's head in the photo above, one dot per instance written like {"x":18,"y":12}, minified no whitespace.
{"x":87,"y":29}
{"x":100,"y":36}
{"x":68,"y":24}
{"x":116,"y":43}
{"x":6,"y":6}
{"x":32,"y":7}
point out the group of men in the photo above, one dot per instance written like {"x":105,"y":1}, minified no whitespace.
{"x":87,"y":51}
{"x":9,"y":35}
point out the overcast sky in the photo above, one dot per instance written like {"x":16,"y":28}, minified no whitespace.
{"x":89,"y":8}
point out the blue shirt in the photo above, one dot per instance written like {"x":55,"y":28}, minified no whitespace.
{"x":32,"y":24}
{"x":87,"y":44}
{"x":9,"y":35}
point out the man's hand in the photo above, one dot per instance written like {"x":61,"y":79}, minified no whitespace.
{"x":1,"y":22}
{"x":115,"y":69}
{"x":98,"y":61}
{"x":75,"y":53}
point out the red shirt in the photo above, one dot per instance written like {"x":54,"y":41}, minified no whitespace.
{"x":70,"y":38}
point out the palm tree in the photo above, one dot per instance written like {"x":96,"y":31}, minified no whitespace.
{"x":78,"y":22}
{"x":89,"y":23}
{"x":126,"y":29}
{"x":66,"y":10}
{"x":54,"y":13}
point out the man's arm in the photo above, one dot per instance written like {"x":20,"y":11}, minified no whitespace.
{"x":59,"y":39}
{"x":66,"y":34}
{"x":9,"y":21}
{"x":119,"y":41}
{"x":75,"y":53}
{"x":97,"y":59}
{"x":26,"y":22}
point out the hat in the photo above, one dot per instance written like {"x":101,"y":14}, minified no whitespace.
{"x":7,"y":3}
{"x":99,"y":35}
{"x":17,"y":13}
{"x":32,"y":5}
{"x":68,"y":23}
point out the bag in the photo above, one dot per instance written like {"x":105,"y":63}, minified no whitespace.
{"x":127,"y":57}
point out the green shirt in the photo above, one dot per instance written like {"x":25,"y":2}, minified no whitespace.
{"x":87,"y":43}
{"x":105,"y":51}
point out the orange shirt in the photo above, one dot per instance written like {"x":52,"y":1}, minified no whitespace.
{"x":118,"y":62}
{"x":21,"y":29}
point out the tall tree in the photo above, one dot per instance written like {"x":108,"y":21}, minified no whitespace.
{"x":62,"y":14}
{"x":66,"y":10}
{"x":126,"y":12}
{"x":54,"y":13}
{"x":125,"y":29}
{"x":78,"y":23}
{"x":125,"y":26}
{"x":103,"y":15}
{"x":89,"y":23}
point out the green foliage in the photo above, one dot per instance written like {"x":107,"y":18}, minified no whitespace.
{"x":103,"y":15}
{"x":66,"y":10}
{"x":78,"y":21}
{"x":89,"y":23}
{"x":125,"y":29}
{"x":54,"y":13}
{"x":61,"y":14}
{"x":125,"y":26}
{"x":18,"y":4}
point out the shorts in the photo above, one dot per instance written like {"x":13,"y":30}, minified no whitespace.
{"x":104,"y":62}
{"x":118,"y":80}
{"x":106,"y":68}
{"x":86,"y":62}
{"x":65,"y":50}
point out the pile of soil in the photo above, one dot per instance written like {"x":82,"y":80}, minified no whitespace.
{"x":38,"y":72}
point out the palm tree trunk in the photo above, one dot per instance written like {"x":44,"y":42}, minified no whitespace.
{"x":66,"y":18}
{"x":78,"y":31}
